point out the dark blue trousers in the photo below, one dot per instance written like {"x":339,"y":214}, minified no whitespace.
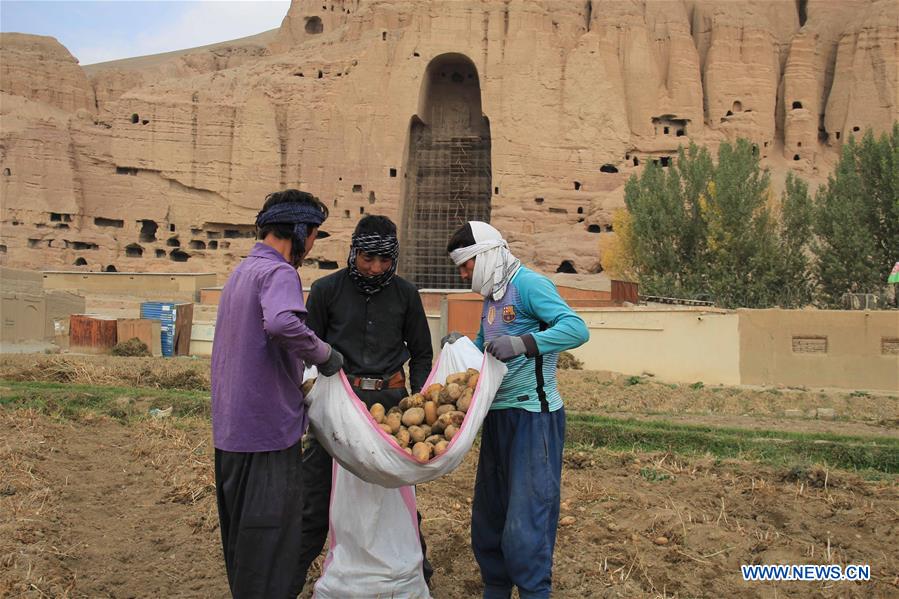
{"x":516,"y":501}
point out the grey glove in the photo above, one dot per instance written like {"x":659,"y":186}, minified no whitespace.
{"x":505,"y":348}
{"x":332,"y":365}
{"x":451,"y":338}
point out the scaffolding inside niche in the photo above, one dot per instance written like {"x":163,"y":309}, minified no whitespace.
{"x":451,"y":187}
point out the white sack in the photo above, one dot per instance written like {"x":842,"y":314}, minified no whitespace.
{"x":374,"y":551}
{"x":342,"y":424}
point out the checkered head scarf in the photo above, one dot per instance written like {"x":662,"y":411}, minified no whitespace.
{"x":386,"y":246}
{"x":300,"y":215}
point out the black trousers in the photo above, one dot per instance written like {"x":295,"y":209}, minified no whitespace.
{"x":259,"y":499}
{"x":317,"y":466}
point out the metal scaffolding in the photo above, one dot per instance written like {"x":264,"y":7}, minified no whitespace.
{"x":451,"y":186}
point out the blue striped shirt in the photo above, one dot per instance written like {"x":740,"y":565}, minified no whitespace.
{"x":532,"y":305}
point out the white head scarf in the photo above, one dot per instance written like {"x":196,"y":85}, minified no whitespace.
{"x":494,"y":264}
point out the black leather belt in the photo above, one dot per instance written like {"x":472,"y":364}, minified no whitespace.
{"x":369,"y":383}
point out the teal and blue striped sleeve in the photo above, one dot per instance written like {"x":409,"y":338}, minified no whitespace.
{"x":479,"y":340}
{"x":566,"y":329}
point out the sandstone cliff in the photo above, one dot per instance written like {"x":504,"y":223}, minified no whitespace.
{"x":163,"y":165}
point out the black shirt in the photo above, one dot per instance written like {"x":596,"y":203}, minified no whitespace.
{"x":375,"y":333}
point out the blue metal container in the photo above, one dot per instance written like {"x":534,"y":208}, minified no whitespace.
{"x":164,"y":312}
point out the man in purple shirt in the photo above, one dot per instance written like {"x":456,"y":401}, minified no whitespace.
{"x":258,"y":415}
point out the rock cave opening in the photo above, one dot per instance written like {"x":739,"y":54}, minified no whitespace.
{"x":567,"y":267}
{"x":608,"y":168}
{"x":109,"y":222}
{"x":148,"y":230}
{"x":802,"y":9}
{"x":134,"y":251}
{"x":314,"y":25}
{"x":594,"y":229}
{"x":84,"y":245}
{"x":196,"y":244}
{"x":449,"y":170}
{"x":80,"y":262}
{"x":110,"y":268}
{"x":160,"y":253}
{"x":179,"y":256}
{"x":797,"y":105}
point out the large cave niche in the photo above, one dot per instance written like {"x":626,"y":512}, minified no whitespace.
{"x":448,"y":166}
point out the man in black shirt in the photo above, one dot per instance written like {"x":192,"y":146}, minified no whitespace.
{"x":376,"y":320}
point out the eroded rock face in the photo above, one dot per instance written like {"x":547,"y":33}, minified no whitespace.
{"x":40,"y":68}
{"x":168,"y":168}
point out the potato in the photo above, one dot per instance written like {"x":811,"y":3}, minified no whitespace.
{"x":403,"y":437}
{"x":434,"y":439}
{"x":449,"y":418}
{"x":473,"y":380}
{"x":431,"y":414}
{"x":418,"y":433}
{"x":471,"y":371}
{"x":440,"y":447}
{"x":405,"y":403}
{"x":457,"y":378}
{"x":450,"y":393}
{"x":433,"y":392}
{"x":408,"y":450}
{"x":386,"y":428}
{"x":437,"y":427}
{"x":395,"y":410}
{"x":450,"y":431}
{"x":465,"y":401}
{"x":421,"y":452}
{"x":426,"y":429}
{"x":447,"y":407}
{"x":413,"y":416}
{"x":416,"y":400}
{"x":377,"y":412}
{"x":394,"y":422}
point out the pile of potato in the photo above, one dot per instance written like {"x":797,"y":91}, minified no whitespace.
{"x":424,"y":423}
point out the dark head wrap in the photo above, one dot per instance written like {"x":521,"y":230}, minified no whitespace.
{"x":300,"y":215}
{"x":386,"y":246}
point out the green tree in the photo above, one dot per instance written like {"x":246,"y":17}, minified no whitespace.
{"x":857,"y":218}
{"x":705,"y":230}
{"x":741,"y":235}
{"x":667,"y":235}
{"x":795,"y":233}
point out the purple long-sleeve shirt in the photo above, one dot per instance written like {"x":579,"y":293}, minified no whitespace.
{"x":261,"y":342}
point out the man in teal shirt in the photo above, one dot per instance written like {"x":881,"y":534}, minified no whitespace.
{"x":524,"y":323}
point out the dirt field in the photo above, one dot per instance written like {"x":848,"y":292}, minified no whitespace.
{"x":95,"y":506}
